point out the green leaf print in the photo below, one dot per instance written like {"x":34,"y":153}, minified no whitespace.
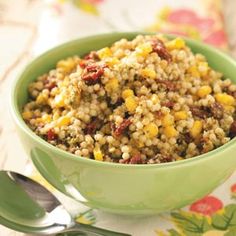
{"x":173,"y":232}
{"x":191,"y":224}
{"x":231,"y":232}
{"x":225,"y":219}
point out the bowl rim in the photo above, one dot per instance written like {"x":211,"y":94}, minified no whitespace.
{"x":17,"y":117}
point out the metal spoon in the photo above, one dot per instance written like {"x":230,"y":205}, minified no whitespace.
{"x":27,"y":206}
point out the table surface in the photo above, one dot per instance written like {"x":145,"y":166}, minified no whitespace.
{"x":15,"y":56}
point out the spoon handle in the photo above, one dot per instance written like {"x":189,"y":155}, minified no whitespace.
{"x":92,"y":230}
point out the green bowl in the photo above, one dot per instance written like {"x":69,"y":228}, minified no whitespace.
{"x":122,"y":189}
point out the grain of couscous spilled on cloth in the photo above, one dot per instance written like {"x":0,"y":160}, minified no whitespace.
{"x":145,"y":101}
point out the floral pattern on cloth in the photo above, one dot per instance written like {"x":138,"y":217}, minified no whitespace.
{"x":188,"y":23}
{"x":213,"y":215}
{"x":203,"y":21}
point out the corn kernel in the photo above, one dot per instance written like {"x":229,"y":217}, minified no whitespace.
{"x":127,"y":93}
{"x":46,"y":118}
{"x":59,"y":101}
{"x":98,"y":155}
{"x":204,"y":91}
{"x":151,"y":130}
{"x":170,"y":131}
{"x":56,"y":115}
{"x":196,"y":128}
{"x":167,"y":120}
{"x":143,"y":49}
{"x":77,"y":99}
{"x":131,"y":104}
{"x":140,"y":144}
{"x":65,"y":82}
{"x":180,"y":115}
{"x":104,"y":53}
{"x":177,"y":43}
{"x":66,"y":65}
{"x":51,"y":102}
{"x":225,"y":99}
{"x":38,"y":120}
{"x":163,"y":64}
{"x":193,"y":70}
{"x":112,"y":85}
{"x":40,"y":99}
{"x":112,"y":61}
{"x":148,"y":73}
{"x":179,"y":158}
{"x":154,"y":99}
{"x":62,"y":121}
{"x":229,"y":108}
{"x":203,"y":68}
{"x":27,"y":115}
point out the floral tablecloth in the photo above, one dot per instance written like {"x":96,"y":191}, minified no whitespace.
{"x":29,"y":27}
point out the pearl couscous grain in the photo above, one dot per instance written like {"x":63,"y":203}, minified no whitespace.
{"x":145,"y":101}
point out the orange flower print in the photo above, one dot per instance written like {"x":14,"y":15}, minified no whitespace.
{"x":184,"y":16}
{"x":233,"y":191}
{"x":187,"y":22}
{"x":207,"y":205}
{"x":217,"y":38}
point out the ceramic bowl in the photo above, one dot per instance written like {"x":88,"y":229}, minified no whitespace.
{"x":122,"y":189}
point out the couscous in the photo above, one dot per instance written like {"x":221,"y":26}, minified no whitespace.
{"x":145,"y":101}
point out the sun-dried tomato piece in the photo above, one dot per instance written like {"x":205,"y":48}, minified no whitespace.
{"x":83,"y":63}
{"x":118,"y":102}
{"x":92,"y":67}
{"x":200,"y":144}
{"x":112,"y":126}
{"x":93,"y":126}
{"x":122,"y":127}
{"x":93,"y":73}
{"x":88,"y":59}
{"x":160,"y":158}
{"x":188,"y":138}
{"x":159,"y":114}
{"x":169,"y":104}
{"x":169,"y":85}
{"x":164,"y":158}
{"x":232,"y":130}
{"x":92,"y":78}
{"x":92,"y":55}
{"x":232,"y":93}
{"x":217,"y":110}
{"x":200,"y":112}
{"x":159,"y":47}
{"x":51,"y":135}
{"x":136,"y":159}
{"x":90,"y":128}
{"x":50,"y":85}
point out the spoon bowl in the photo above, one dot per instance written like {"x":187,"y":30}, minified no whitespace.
{"x":36,"y":210}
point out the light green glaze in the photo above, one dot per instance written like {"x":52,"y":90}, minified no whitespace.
{"x":125,"y":189}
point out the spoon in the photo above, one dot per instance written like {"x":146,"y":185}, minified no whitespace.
{"x":27,"y":206}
